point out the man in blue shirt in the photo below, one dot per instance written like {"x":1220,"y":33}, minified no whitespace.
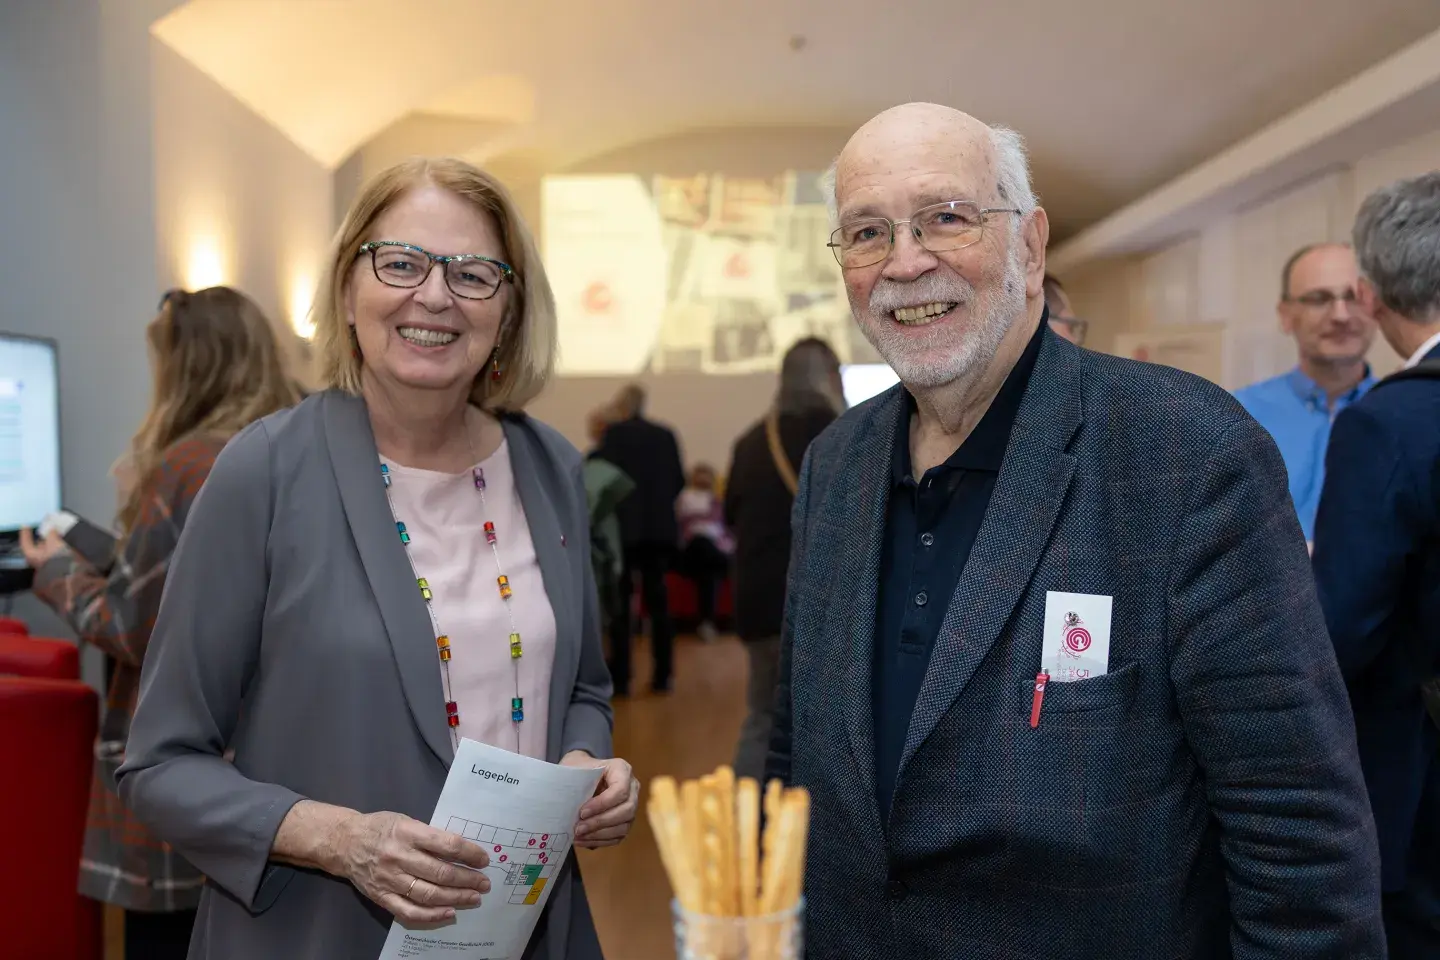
{"x":1333,"y":333}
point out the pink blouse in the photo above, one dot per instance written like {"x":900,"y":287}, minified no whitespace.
{"x":445,"y":517}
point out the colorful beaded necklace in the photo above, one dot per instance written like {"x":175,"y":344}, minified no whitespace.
{"x":442,"y":641}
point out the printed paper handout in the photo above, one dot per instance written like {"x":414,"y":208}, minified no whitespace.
{"x":523,"y":812}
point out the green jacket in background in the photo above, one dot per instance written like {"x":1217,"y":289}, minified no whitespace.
{"x":605,"y":486}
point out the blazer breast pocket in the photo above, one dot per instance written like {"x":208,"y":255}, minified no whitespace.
{"x":1114,"y":691}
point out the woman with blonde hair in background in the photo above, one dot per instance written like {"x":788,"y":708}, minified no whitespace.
{"x":216,"y":368}
{"x":400,"y":561}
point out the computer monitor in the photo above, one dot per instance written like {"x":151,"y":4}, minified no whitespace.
{"x":861,"y":381}
{"x":29,"y":432}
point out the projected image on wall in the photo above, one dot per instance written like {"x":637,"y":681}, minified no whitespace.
{"x":702,"y":274}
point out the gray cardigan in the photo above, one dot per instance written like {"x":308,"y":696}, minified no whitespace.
{"x":291,"y":630}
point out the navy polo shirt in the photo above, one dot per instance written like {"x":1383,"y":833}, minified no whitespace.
{"x":930,"y":526}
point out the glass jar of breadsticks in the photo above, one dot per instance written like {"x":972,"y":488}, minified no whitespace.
{"x":738,"y":883}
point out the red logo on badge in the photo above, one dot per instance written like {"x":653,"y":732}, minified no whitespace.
{"x":1077,"y":638}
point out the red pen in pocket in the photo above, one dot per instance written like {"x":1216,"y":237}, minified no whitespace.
{"x":1041,"y":679}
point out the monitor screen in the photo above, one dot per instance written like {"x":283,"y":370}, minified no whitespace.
{"x":862,"y":381}
{"x":29,"y":431}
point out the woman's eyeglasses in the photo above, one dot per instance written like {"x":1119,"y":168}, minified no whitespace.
{"x":468,"y":275}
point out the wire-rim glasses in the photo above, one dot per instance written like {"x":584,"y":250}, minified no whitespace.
{"x":939,"y":228}
{"x":468,"y":275}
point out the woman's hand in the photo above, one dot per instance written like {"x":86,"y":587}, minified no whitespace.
{"x":38,"y":553}
{"x":408,"y":867}
{"x":605,"y":818}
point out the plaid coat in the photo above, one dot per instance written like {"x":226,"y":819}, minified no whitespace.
{"x":1202,"y":800}
{"x":123,"y":863}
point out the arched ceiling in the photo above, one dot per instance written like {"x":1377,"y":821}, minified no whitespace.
{"x":1114,"y":96}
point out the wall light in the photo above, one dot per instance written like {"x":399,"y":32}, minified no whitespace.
{"x":302,"y":295}
{"x":204,"y":263}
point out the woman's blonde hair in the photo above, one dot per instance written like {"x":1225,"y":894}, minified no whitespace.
{"x":217,"y":366}
{"x":526,"y":344}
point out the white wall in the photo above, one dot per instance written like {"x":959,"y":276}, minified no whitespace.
{"x":236,"y":201}
{"x":91,"y":239}
{"x":76,"y":205}
{"x":1228,"y":272}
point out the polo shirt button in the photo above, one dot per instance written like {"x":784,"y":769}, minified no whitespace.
{"x":927,"y":538}
{"x":896,"y":890}
{"x":921,"y":599}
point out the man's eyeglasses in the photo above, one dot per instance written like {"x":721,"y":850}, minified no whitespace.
{"x":1323,"y":300}
{"x":940,"y":227}
{"x":468,"y":275}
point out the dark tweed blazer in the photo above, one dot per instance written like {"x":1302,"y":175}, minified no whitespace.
{"x":1201,"y":800}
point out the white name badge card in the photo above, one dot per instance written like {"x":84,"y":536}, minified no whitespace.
{"x":1077,"y":636}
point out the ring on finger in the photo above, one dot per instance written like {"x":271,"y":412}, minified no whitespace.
{"x":411,"y":889}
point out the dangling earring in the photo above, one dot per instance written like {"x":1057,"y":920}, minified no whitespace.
{"x":495,"y":364}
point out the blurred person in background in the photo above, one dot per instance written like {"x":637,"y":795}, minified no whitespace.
{"x":649,"y":454}
{"x":216,"y":367}
{"x":597,"y":421}
{"x":1377,"y":556}
{"x":400,"y":561}
{"x":759,"y":492}
{"x":705,"y":543}
{"x":1333,"y":332}
{"x":606,"y":485}
{"x":1062,"y":316}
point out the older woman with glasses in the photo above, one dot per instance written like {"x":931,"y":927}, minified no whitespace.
{"x":398,"y":562}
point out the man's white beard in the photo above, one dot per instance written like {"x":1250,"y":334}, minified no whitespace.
{"x":948,"y":354}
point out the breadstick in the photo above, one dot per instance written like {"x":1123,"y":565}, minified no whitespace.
{"x":690,"y":820}
{"x":662,"y":790}
{"x":665,"y":819}
{"x":667,"y":853}
{"x":712,"y":846}
{"x":798,"y":802}
{"x":773,"y":792}
{"x":724,"y":789}
{"x":662,"y":801}
{"x":781,"y":831}
{"x":747,"y":816}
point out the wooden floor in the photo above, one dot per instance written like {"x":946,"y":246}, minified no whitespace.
{"x":686,"y":733}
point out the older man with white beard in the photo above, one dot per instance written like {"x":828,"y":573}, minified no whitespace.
{"x":1074,"y":698}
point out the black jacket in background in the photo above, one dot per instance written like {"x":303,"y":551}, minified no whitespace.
{"x":757,"y":511}
{"x":650,"y":455}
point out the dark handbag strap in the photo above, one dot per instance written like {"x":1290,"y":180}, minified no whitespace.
{"x":777,"y":452}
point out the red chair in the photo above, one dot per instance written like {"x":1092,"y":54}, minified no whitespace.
{"x":684,"y":601}
{"x":37,"y":657}
{"x":47,"y":735}
{"x":15,"y":626}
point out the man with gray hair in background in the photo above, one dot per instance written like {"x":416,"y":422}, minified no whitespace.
{"x":1052,"y":666}
{"x":1377,"y":556}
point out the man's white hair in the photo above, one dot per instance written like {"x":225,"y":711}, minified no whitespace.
{"x":1012,"y":175}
